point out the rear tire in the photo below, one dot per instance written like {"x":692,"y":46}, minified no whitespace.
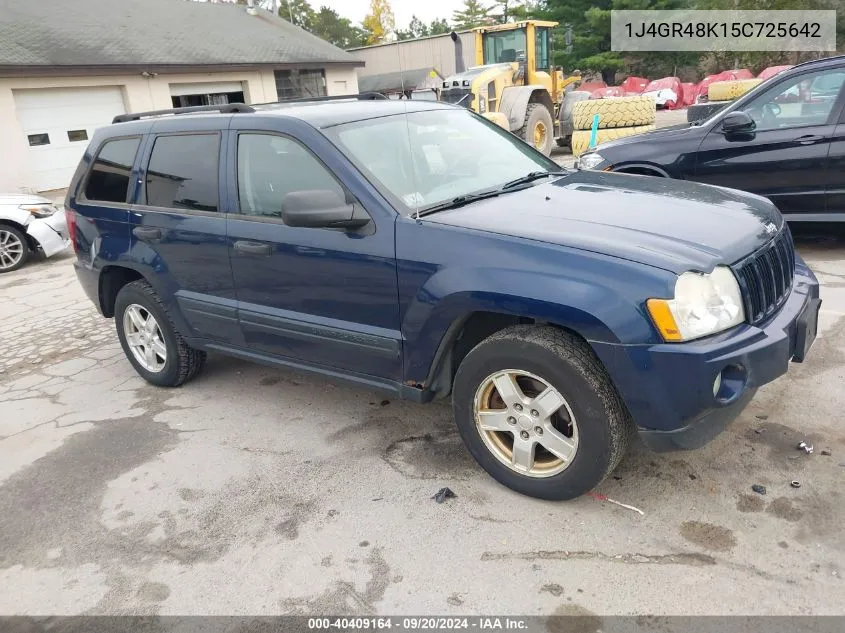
{"x":14,"y":251}
{"x":179,"y":362}
{"x":591,"y":420}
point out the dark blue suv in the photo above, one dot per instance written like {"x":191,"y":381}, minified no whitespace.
{"x":415,"y":247}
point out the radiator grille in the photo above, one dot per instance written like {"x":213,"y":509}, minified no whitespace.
{"x":765,"y":276}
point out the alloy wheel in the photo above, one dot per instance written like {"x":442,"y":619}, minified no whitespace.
{"x":144,"y":338}
{"x":11,"y":249}
{"x":525,"y":423}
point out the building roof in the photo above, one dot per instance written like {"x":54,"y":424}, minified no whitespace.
{"x":398,"y":80}
{"x":58,"y":34}
{"x":402,"y":42}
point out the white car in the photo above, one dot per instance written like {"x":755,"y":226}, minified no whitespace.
{"x":29,"y":224}
{"x":662,"y":96}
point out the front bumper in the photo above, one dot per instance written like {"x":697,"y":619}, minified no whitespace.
{"x":668,"y":388}
{"x":51,"y":233}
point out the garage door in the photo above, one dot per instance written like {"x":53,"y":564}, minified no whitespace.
{"x":57,"y":123}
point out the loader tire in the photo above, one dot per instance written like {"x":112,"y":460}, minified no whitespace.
{"x":569,"y":101}
{"x":581,"y":138}
{"x":539,"y":129}
{"x":616,"y":112}
{"x":730,"y":90}
{"x":701,"y":111}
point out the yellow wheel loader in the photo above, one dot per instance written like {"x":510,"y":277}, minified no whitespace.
{"x":513,"y":82}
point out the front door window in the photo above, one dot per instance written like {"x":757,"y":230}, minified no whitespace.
{"x":800,"y":101}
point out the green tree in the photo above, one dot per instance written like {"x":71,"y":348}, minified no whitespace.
{"x":379,"y":23}
{"x":439,"y":27}
{"x":505,"y":10}
{"x":590,"y":44}
{"x":526,"y":10}
{"x":757,"y":60}
{"x":328,"y":25}
{"x":416,"y":28}
{"x":472,"y":14}
{"x":297,"y":12}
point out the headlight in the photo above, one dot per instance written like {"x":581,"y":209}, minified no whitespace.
{"x":39,"y":210}
{"x":590,"y":161}
{"x":703,"y":305}
{"x":482,"y":104}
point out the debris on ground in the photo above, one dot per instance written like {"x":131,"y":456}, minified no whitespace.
{"x":827,"y":452}
{"x":444,"y":493}
{"x":795,"y":483}
{"x":601,"y":497}
{"x":760,"y":490}
{"x":760,"y":431}
{"x":807,"y":448}
{"x":762,"y":416}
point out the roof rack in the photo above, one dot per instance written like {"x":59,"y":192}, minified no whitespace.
{"x":228,"y":108}
{"x":363,"y":96}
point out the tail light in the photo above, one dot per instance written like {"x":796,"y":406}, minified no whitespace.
{"x":70,"y":219}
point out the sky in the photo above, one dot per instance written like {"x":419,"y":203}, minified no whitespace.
{"x":425,"y":10}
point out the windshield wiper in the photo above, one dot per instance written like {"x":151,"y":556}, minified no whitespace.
{"x":531,"y":177}
{"x":454,"y":203}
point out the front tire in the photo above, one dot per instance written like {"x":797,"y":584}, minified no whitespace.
{"x":14,"y":251}
{"x":150,"y":341}
{"x":538,"y":130}
{"x":538,"y":411}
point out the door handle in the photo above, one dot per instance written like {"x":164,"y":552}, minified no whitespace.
{"x":809,"y":139}
{"x":146,"y":233}
{"x":252,"y":248}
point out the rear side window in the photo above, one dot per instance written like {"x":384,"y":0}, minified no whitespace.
{"x":182,"y":173}
{"x":109,"y":177}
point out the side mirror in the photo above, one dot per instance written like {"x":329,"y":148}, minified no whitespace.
{"x":321,"y":209}
{"x":737,"y":123}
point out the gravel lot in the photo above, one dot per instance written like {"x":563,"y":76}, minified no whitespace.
{"x":258,"y":491}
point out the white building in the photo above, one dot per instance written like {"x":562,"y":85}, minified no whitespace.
{"x":68,"y":67}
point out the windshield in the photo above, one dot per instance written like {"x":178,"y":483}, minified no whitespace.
{"x":420,"y":159}
{"x":504,"y":46}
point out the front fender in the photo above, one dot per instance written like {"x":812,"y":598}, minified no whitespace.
{"x":514,"y":103}
{"x":596,"y":312}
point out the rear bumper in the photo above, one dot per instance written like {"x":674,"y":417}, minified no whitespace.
{"x":89,"y":279}
{"x":668,"y":388}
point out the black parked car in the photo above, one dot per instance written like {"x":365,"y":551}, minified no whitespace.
{"x":784,"y":140}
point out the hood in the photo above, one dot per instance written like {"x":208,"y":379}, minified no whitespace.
{"x":22,"y":198}
{"x":670,"y":224}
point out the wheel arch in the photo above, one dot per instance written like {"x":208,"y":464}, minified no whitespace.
{"x":515,"y":101}
{"x":112,"y":278}
{"x":470,"y":328}
{"x":31,"y":242}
